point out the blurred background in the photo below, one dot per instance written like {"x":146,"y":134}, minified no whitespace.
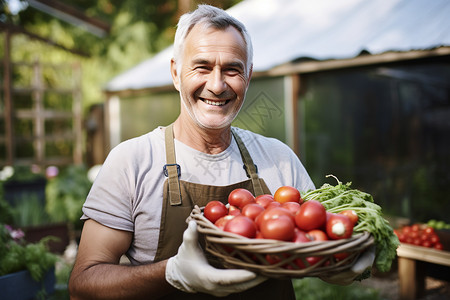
{"x":358,"y":89}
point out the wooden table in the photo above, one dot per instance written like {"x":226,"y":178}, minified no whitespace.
{"x":411,"y":269}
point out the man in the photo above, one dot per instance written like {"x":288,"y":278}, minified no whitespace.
{"x":148,"y":185}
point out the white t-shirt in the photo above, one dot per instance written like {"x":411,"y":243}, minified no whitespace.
{"x":128,"y":191}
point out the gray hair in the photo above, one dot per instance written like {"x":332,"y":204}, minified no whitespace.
{"x":209,"y":16}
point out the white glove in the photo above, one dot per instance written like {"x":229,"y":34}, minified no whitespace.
{"x":189,"y":271}
{"x":345,"y":278}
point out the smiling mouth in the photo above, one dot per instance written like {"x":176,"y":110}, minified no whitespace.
{"x":215,"y":103}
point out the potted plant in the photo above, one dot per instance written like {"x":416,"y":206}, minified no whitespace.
{"x":23,"y":181}
{"x":26,"y":269}
{"x":24,"y":198}
{"x":66,"y":193}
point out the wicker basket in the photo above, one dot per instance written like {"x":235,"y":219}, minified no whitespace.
{"x":235,"y":251}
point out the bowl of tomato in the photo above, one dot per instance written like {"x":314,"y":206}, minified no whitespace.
{"x":279,"y":236}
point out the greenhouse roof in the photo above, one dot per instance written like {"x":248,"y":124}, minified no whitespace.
{"x":286,"y":30}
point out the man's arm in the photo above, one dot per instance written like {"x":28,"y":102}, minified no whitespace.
{"x":98,"y":275}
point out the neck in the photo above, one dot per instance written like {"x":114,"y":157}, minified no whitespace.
{"x":211,"y":141}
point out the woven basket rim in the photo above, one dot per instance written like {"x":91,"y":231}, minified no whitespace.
{"x":216,"y":239}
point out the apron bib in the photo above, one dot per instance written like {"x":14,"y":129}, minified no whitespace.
{"x":179,"y":198}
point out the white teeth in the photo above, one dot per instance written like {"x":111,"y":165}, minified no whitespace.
{"x":217,"y":103}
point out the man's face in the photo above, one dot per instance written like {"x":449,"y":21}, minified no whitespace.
{"x":213,"y":78}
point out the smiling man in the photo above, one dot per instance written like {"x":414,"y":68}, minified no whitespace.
{"x":213,"y":77}
{"x":148,"y":185}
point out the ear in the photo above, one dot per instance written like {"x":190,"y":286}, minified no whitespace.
{"x":174,"y":73}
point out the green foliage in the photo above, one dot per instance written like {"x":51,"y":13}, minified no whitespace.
{"x":16,"y":255}
{"x":24,"y":173}
{"x":29,"y":211}
{"x":313,"y":288}
{"x":139,"y":29}
{"x":66,"y":193}
{"x":343,"y":197}
{"x":6,"y":212}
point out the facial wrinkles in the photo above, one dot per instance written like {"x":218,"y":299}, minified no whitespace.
{"x":214,"y":71}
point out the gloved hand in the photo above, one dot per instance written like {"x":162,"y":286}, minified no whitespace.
{"x":345,"y":278}
{"x":190,"y":272}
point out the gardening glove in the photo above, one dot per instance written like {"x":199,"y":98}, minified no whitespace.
{"x":345,"y":278}
{"x":189,"y":271}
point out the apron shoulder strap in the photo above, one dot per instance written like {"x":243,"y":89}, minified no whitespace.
{"x":171,"y":168}
{"x":250,"y":168}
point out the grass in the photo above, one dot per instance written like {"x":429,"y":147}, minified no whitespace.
{"x":313,"y":289}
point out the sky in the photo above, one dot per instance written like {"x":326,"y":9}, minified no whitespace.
{"x":16,"y":5}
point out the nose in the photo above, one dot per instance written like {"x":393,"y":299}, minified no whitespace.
{"x":216,"y":83}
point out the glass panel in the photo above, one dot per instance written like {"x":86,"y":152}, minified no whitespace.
{"x":140,"y":115}
{"x":386,"y":129}
{"x":263,"y":109}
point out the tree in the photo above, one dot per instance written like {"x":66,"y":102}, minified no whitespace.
{"x":138,"y":30}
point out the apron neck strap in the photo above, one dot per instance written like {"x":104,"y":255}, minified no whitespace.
{"x":171,"y":169}
{"x":250,"y":168}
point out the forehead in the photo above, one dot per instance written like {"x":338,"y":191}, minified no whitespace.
{"x":203,"y":40}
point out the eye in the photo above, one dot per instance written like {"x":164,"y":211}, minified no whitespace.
{"x":232,"y":71}
{"x":202,"y":68}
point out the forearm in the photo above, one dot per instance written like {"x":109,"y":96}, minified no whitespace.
{"x":111,"y":281}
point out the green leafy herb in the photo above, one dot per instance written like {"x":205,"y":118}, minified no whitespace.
{"x":16,"y":255}
{"x":342,"y":197}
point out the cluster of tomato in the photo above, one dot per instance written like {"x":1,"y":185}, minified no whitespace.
{"x":419,"y":235}
{"x":283,"y":216}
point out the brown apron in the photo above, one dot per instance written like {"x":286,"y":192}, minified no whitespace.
{"x":178,"y":200}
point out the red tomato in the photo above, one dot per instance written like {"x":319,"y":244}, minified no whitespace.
{"x":241,"y":225}
{"x":300,"y":236}
{"x":252,"y":210}
{"x":273,"y":213}
{"x":281,"y":228}
{"x":406,"y":230}
{"x":259,"y":235}
{"x":429,"y":230}
{"x":414,"y":234}
{"x":415,"y":228}
{"x":273,"y":258}
{"x":293,"y":207}
{"x":329,"y":214}
{"x":339,"y":227}
{"x":311,"y":260}
{"x":426,"y":243}
{"x":222,"y":221}
{"x":438,"y":246}
{"x":401,"y":237}
{"x":214,"y":210}
{"x":351,"y":214}
{"x":317,"y":235}
{"x":424,"y":237}
{"x":273,"y":204}
{"x":341,"y":256}
{"x":312,"y":215}
{"x":264,"y":200}
{"x":240,"y":198}
{"x":233,"y":210}
{"x":287,"y":194}
{"x":434,"y":239}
